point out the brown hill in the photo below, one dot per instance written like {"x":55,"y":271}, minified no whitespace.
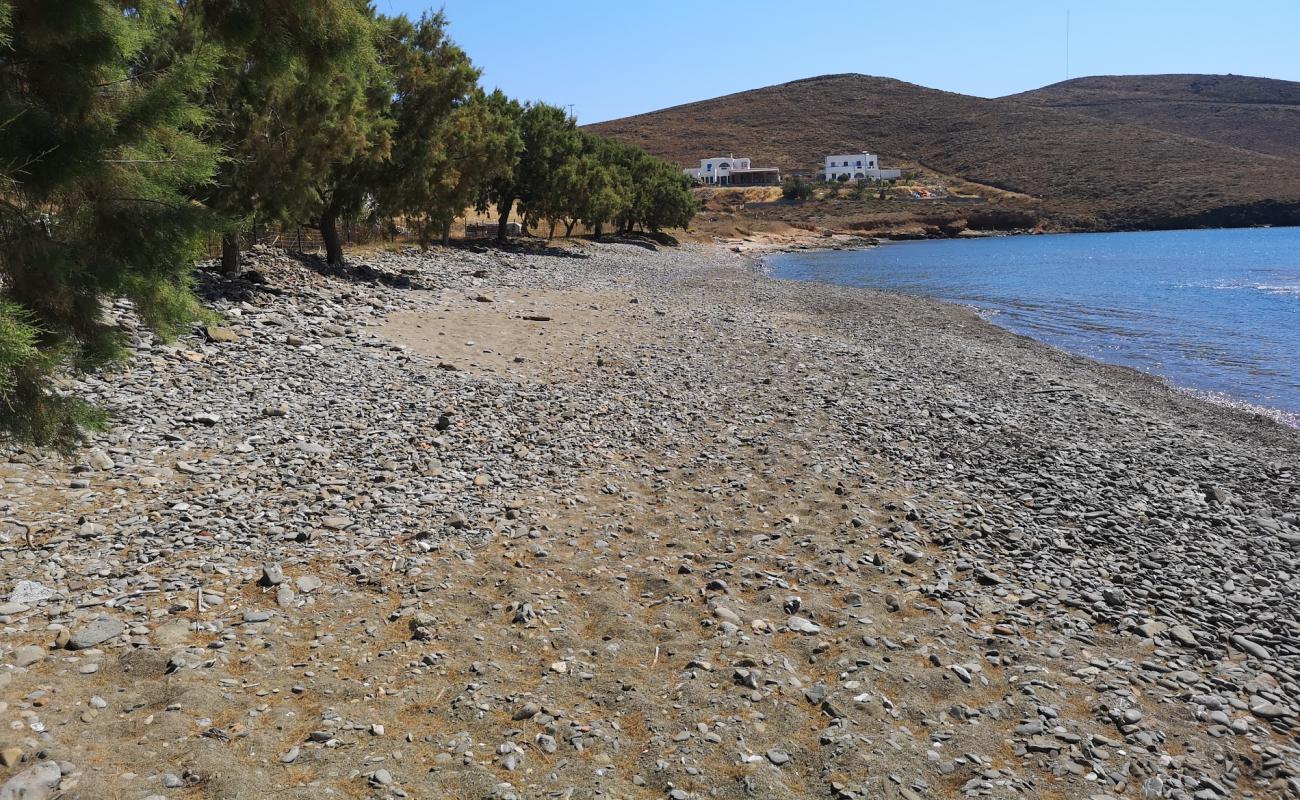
{"x":1085,"y":172}
{"x":1254,"y":113}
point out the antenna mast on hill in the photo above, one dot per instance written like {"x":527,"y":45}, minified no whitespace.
{"x":1067,"y":44}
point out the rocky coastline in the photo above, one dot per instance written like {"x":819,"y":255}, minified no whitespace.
{"x":624,"y":520}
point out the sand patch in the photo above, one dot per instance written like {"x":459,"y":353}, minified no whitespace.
{"x":527,"y":335}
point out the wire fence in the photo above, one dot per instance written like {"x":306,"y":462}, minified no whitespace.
{"x":304,"y":239}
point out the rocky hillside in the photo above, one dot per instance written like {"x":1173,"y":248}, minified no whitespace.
{"x":1259,"y":114}
{"x":1085,"y":172}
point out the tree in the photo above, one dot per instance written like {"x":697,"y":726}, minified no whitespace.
{"x":575,"y":188}
{"x":290,"y":100}
{"x":796,"y":189}
{"x":549,"y":138}
{"x":612,"y":181}
{"x":100,"y":153}
{"x":353,"y":176}
{"x":501,"y":189}
{"x":450,"y":138}
{"x":479,"y":145}
{"x":595,"y":191}
{"x":667,"y":200}
{"x":657,"y":195}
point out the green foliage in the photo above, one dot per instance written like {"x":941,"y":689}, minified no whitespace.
{"x":131,"y":130}
{"x":293,"y":97}
{"x":614,"y":182}
{"x":550,"y":140}
{"x":450,"y":138}
{"x":480,"y":145}
{"x":347,"y":186}
{"x":659,"y":194}
{"x":796,"y":189}
{"x":501,"y":189}
{"x":101,"y":151}
{"x":594,"y":190}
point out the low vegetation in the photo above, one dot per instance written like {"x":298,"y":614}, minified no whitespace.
{"x":134,"y":131}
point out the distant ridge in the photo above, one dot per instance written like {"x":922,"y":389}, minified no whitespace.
{"x":1261,"y":114}
{"x":1087,"y":173}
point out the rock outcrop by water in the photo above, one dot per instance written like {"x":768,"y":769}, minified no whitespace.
{"x":624,"y":521}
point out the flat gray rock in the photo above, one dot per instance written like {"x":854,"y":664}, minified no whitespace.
{"x":28,"y":592}
{"x":803,"y":625}
{"x":96,"y":632}
{"x":307,"y":583}
{"x":38,"y":782}
{"x":28,"y":655}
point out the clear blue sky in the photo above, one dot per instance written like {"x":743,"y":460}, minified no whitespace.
{"x":612,"y":58}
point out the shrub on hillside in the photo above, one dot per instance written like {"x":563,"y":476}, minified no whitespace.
{"x":796,"y":189}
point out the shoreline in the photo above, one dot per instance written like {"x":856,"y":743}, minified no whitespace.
{"x":643,"y":521}
{"x":1284,"y":418}
{"x":810,"y":240}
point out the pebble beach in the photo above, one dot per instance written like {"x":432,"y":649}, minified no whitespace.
{"x":624,"y":520}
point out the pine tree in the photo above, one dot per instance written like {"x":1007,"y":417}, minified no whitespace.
{"x":99,"y":154}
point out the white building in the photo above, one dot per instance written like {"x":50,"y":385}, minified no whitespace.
{"x":717,"y":170}
{"x":856,"y":166}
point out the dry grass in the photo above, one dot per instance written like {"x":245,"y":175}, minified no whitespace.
{"x":1239,"y":111}
{"x":1085,"y":171}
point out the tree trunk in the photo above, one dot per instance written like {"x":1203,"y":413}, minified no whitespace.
{"x":329,"y":233}
{"x":596,"y":235}
{"x":446,"y":233}
{"x":503,"y":221}
{"x":230,"y":254}
{"x":551,"y":233}
{"x":568,"y":228}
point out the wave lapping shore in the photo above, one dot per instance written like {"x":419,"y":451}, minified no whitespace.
{"x":619,"y":520}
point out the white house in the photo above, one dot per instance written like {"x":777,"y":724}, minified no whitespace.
{"x":717,"y":170}
{"x":856,"y":166}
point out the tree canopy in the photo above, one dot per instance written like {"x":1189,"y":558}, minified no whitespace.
{"x":292,"y":102}
{"x":133,"y":132}
{"x":101,"y":153}
{"x":450,"y":138}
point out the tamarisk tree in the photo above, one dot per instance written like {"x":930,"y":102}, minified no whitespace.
{"x":100,"y":152}
{"x":549,"y":138}
{"x":615,"y":182}
{"x":450,"y":137}
{"x":293,"y":99}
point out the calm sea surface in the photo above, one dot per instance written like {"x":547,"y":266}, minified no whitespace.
{"x":1214,"y":311}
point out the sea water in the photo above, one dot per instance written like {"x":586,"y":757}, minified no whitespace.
{"x":1216,"y":312}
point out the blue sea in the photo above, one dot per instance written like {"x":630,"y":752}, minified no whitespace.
{"x":1216,"y":312}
